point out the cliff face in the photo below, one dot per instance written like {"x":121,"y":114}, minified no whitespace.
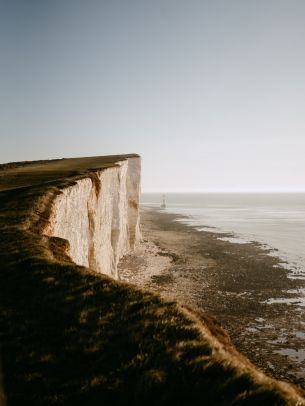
{"x":99,"y":216}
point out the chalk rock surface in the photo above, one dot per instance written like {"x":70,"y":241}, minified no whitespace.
{"x":99,"y":216}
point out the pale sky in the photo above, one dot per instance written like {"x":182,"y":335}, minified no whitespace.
{"x":210,"y":93}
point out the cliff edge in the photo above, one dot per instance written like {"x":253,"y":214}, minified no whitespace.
{"x":99,"y":216}
{"x":70,"y":333}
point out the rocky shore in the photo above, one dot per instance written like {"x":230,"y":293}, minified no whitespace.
{"x":235,"y":283}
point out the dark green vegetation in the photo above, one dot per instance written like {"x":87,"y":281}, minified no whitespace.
{"x":72,"y":336}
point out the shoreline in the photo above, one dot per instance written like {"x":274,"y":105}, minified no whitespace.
{"x":233,"y":282}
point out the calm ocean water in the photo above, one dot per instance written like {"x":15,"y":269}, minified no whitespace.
{"x":275,"y":220}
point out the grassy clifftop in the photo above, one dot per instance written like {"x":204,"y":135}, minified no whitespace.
{"x":72,"y":336}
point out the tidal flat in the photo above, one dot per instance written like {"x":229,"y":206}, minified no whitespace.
{"x":242,"y":285}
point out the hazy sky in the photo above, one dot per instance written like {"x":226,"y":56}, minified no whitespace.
{"x":210,"y":93}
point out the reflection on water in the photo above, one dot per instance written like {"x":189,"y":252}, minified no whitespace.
{"x":296,"y":355}
{"x":297,"y":301}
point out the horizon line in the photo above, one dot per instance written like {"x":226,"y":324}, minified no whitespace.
{"x":153,"y":191}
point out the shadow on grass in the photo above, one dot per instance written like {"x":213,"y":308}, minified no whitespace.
{"x":73,"y":337}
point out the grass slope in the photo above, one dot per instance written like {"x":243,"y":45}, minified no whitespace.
{"x":72,"y":336}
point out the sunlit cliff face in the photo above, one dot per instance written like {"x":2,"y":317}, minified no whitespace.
{"x":99,"y":216}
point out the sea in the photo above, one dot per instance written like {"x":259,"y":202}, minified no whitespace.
{"x":275,"y":220}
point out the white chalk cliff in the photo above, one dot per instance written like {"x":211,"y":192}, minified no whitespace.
{"x":99,"y":216}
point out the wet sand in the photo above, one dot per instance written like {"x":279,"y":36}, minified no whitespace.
{"x":234,"y":282}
